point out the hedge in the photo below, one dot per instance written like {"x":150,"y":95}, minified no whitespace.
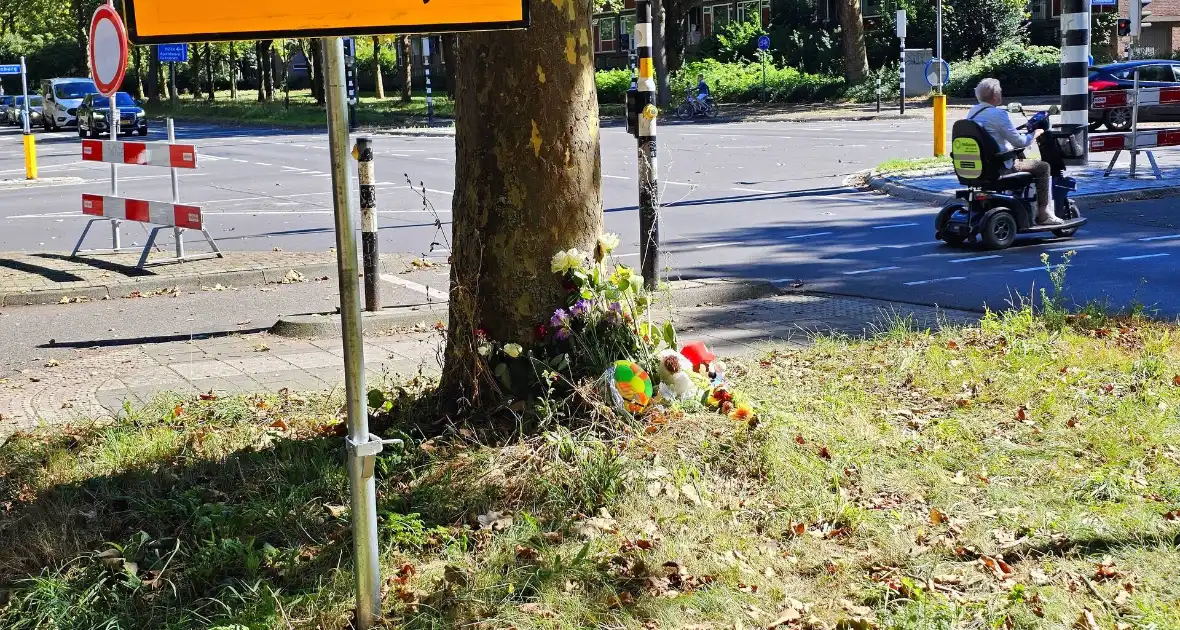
{"x":1022,"y":71}
{"x":731,"y":83}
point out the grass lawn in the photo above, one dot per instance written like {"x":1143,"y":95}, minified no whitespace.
{"x":894,"y":166}
{"x":1021,"y":474}
{"x":303,"y":110}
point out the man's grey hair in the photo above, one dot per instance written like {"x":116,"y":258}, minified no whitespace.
{"x":987,"y":90}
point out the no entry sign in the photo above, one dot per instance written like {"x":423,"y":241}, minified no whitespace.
{"x":166,"y":21}
{"x":107,"y":50}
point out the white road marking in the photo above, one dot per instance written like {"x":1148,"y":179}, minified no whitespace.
{"x":974,"y":258}
{"x":713,"y":245}
{"x":864,"y":271}
{"x":293,"y":168}
{"x":904,"y":245}
{"x":808,"y":235}
{"x":755,"y":190}
{"x":855,"y":200}
{"x":670,"y":183}
{"x":1071,"y":247}
{"x":615,"y":177}
{"x":437,"y":159}
{"x":241,"y":161}
{"x":752,"y":147}
{"x":635,"y":255}
{"x":1028,"y":269}
{"x":442,"y":296}
{"x":262,"y":164}
{"x":894,"y":226}
{"x":1141,"y":257}
{"x":920,"y":282}
{"x":1160,"y":238}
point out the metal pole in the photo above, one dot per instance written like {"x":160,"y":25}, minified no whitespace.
{"x":1075,"y":70}
{"x":113,"y":126}
{"x":30,"y":141}
{"x":176,"y":232}
{"x":938,"y":44}
{"x":764,"y":76}
{"x":878,"y":92}
{"x":649,"y":220}
{"x":429,"y":98}
{"x":1135,"y":124}
{"x":360,"y":462}
{"x":902,"y":73}
{"x":366,"y":173}
{"x":172,"y":83}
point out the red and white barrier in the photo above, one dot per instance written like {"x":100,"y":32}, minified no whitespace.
{"x":1117,"y":99}
{"x":141,"y":153}
{"x":1147,"y":139}
{"x":155,"y":212}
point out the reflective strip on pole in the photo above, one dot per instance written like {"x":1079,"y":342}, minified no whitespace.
{"x":370,"y":254}
{"x":429,"y":97}
{"x":1075,"y":67}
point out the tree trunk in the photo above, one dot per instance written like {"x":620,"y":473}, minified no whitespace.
{"x":209,"y":73}
{"x":268,"y":75}
{"x":527,"y":182}
{"x":261,"y":64}
{"x":194,"y":71}
{"x":659,"y":56}
{"x":316,"y":67}
{"x":676,"y":32}
{"x":856,"y":60}
{"x":378,"y":83}
{"x":153,"y":86}
{"x":233,"y":71}
{"x":450,"y":53}
{"x":138,"y":61}
{"x":406,"y":59}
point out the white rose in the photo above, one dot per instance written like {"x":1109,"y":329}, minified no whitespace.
{"x":608,"y":242}
{"x":513,"y":350}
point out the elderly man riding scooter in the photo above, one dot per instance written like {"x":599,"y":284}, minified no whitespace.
{"x":994,"y":118}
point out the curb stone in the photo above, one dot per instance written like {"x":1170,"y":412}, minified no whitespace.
{"x":897,"y":189}
{"x":678,"y":294}
{"x":16,"y":184}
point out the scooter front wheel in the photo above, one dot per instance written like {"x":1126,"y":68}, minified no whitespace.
{"x":999,"y":231}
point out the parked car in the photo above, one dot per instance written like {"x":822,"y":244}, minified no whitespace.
{"x":1153,"y":73}
{"x":16,"y":111}
{"x":95,"y":110}
{"x":62,"y":98}
{"x":5,"y":103}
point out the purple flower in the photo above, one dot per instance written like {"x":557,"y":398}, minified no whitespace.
{"x":563,"y":334}
{"x":580,"y":308}
{"x":560,"y":317}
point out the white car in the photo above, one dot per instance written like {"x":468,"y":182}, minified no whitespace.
{"x":62,"y":98}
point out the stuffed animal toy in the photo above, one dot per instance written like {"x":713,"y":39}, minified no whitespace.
{"x":676,"y":377}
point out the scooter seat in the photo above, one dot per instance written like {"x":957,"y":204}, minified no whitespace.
{"x":1014,"y":181}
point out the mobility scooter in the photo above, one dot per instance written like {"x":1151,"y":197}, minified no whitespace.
{"x":998,"y":205}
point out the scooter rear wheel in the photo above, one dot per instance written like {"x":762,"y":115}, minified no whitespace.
{"x":999,"y":231}
{"x":1073,"y":214}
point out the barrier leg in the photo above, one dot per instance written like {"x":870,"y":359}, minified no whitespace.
{"x":1134,"y":160}
{"x":1155,"y":168}
{"x":116,"y":238}
{"x":179,"y":233}
{"x":78,"y":247}
{"x":1110,"y":167}
{"x":212,"y":244}
{"x":147,"y":249}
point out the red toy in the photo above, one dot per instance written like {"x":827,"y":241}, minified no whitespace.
{"x":699,"y":355}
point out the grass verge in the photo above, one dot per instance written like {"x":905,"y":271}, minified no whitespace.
{"x":1019,"y":474}
{"x":895,"y":166}
{"x":303,"y":110}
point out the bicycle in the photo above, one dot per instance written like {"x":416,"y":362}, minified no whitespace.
{"x":693,"y":107}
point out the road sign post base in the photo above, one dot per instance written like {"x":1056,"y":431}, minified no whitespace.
{"x":181,"y":256}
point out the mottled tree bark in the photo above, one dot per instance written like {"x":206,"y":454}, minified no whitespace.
{"x":261,"y":55}
{"x":527,"y":176}
{"x":676,"y":32}
{"x":138,"y":61}
{"x":659,"y":54}
{"x":269,"y":75}
{"x":316,"y":64}
{"x":209,"y":73}
{"x":450,"y":50}
{"x":233,"y":71}
{"x":406,"y":59}
{"x":856,"y":59}
{"x":153,"y":82}
{"x":380,"y":85}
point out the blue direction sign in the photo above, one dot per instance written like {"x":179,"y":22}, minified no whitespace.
{"x":172,"y":53}
{"x":764,"y":43}
{"x":1104,"y":3}
{"x":10,"y":68}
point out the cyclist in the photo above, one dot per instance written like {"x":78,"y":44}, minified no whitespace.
{"x":702,"y":90}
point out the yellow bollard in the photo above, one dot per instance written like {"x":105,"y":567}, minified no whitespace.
{"x":939,"y":125}
{"x":30,"y":156}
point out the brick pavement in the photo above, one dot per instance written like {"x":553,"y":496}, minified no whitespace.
{"x":50,"y":277}
{"x":98,"y":381}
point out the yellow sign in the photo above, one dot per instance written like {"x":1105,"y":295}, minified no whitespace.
{"x":170,"y":21}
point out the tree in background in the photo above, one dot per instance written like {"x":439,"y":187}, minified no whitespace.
{"x":378,"y":84}
{"x":405,"y":60}
{"x":527,"y":183}
{"x":856,"y":59}
{"x":659,"y":54}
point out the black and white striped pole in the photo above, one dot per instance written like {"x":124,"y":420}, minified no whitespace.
{"x":1075,"y":70}
{"x":370,"y":254}
{"x":901,"y":19}
{"x":649,"y":220}
{"x":429,"y":98}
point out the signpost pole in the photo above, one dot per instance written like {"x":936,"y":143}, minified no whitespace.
{"x":360,"y":452}
{"x":426,"y":64}
{"x":29,"y":140}
{"x":172,"y":83}
{"x":649,"y":218}
{"x":901,"y":30}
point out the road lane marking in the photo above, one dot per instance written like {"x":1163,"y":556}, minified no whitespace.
{"x":437,"y":159}
{"x":974,"y":258}
{"x":418,"y":288}
{"x":864,"y":271}
{"x":615,"y":177}
{"x":713,"y":245}
{"x":808,"y":235}
{"x":1028,"y":269}
{"x":920,"y":282}
{"x":755,"y":190}
{"x":854,"y":200}
{"x":894,"y":226}
{"x":1160,"y":238}
{"x":262,"y":164}
{"x":241,"y":161}
{"x":1071,"y":247}
{"x":904,"y":245}
{"x":635,"y":255}
{"x":670,"y":183}
{"x":1143,"y":256}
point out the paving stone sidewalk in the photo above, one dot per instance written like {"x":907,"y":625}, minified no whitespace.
{"x":98,"y":381}
{"x":51,"y":277}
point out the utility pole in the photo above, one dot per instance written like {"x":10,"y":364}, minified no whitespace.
{"x":901,"y":36}
{"x":426,"y":64}
{"x":939,"y":96}
{"x":1075,"y":69}
{"x":649,"y":220}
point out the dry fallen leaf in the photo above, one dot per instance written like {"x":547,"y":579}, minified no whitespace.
{"x":1086,"y":621}
{"x":937,"y":516}
{"x":336,"y":511}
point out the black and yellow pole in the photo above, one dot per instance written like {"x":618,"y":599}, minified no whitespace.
{"x":366,"y":174}
{"x":649,"y":220}
{"x":30,"y":140}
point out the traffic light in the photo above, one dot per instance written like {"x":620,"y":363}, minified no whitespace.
{"x":1139,"y":15}
{"x":1124,"y":27}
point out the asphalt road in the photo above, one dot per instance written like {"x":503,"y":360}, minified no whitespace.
{"x":751,"y":200}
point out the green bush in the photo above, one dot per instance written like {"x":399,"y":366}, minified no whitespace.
{"x":742,"y":82}
{"x":734,"y":42}
{"x":867,"y":92}
{"x":1022,"y":70}
{"x":612,"y":85}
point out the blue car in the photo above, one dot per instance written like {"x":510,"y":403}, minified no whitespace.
{"x":96,"y":109}
{"x":5,"y":103}
{"x":1153,"y":73}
